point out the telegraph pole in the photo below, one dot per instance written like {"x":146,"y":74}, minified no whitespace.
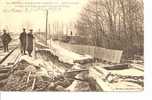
{"x":50,"y":35}
{"x":46,"y":26}
{"x":96,"y":35}
{"x":96,"y":23}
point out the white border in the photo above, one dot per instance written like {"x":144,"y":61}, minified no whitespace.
{"x":102,"y":95}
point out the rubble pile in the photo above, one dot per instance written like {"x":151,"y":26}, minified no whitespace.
{"x":26,"y":77}
{"x":46,"y":73}
{"x":16,"y":78}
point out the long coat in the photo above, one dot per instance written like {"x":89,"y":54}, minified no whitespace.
{"x":6,"y":38}
{"x":30,"y":38}
{"x":23,"y":40}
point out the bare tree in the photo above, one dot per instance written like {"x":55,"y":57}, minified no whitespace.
{"x":115,"y":24}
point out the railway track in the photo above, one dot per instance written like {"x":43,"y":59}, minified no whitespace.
{"x":7,"y":64}
{"x":11,"y":57}
{"x":7,"y":55}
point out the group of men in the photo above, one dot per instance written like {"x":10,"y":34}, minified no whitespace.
{"x":26,"y":41}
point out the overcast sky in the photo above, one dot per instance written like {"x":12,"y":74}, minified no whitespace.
{"x":14,"y":16}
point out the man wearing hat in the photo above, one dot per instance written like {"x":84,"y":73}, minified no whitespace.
{"x":30,"y":38}
{"x":23,"y":41}
{"x":6,"y":38}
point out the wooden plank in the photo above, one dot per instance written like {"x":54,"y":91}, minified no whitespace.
{"x":138,"y":66}
{"x":28,"y":77}
{"x":33,"y":84}
{"x":103,"y":85}
{"x":99,"y":75}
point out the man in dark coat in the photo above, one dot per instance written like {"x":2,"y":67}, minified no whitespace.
{"x":30,"y":38}
{"x":23,"y":41}
{"x":6,"y":38}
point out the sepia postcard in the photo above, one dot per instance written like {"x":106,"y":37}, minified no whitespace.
{"x":72,"y":45}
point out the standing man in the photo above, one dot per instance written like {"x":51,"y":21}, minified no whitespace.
{"x":30,"y":38}
{"x":23,"y":41}
{"x":6,"y":39}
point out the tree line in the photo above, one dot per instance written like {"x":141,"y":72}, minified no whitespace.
{"x":113,"y":24}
